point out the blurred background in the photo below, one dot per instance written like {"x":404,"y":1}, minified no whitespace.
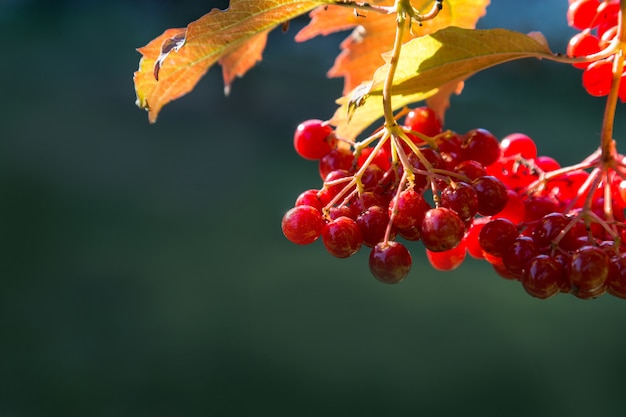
{"x":143,"y":269}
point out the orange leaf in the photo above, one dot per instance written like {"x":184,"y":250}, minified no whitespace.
{"x":239,"y":61}
{"x":361,"y":52}
{"x":374,"y":32}
{"x":172,"y":64}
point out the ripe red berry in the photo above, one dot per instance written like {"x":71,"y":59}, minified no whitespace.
{"x":616,"y":278}
{"x":607,"y":15}
{"x":336,"y":159}
{"x":313,"y":139}
{"x":514,"y":209}
{"x":518,"y":254}
{"x":373,"y":224}
{"x":588,"y":268}
{"x":538,"y":205}
{"x":424,"y":120}
{"x":460,"y":197}
{"x":447,"y":260}
{"x":581,"y":14}
{"x":542,"y":276}
{"x":497,"y":235}
{"x":471,"y":169}
{"x":471,"y":238}
{"x":480,"y":145}
{"x":310,"y":198}
{"x":410,"y":209}
{"x":302,"y":224}
{"x":442,"y":229}
{"x":342,"y":237}
{"x":390,"y":262}
{"x":597,"y":77}
{"x":548,"y":228}
{"x":492,"y":195}
{"x":518,"y":144}
{"x":546,"y":163}
{"x":581,"y":45}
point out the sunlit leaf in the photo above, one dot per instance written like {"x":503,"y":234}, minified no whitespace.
{"x":436,"y":63}
{"x":453,"y":53}
{"x":351,"y":124}
{"x":172,"y":64}
{"x":373,"y":34}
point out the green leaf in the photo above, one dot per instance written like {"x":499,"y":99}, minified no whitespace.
{"x":454,"y":53}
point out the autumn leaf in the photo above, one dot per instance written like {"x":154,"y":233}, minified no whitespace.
{"x":452,"y":53}
{"x":373,"y":34}
{"x":173,"y":63}
{"x":438,"y":62}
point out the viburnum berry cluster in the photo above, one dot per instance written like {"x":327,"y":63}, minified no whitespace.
{"x":411,"y":182}
{"x":554,"y":229}
{"x":464,"y":193}
{"x":598,"y":24}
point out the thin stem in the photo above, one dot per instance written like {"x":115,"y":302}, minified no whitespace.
{"x":403,"y":8}
{"x":390,"y":120}
{"x":356,"y":5}
{"x":606,"y":141}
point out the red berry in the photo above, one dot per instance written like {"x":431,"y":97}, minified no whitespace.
{"x":539,"y":205}
{"x":606,"y":15}
{"x":342,"y":237}
{"x":581,"y":45}
{"x":546,"y":163}
{"x":566,"y":187}
{"x":442,"y":229}
{"x":424,"y":120}
{"x":548,"y":228}
{"x":336,"y":181}
{"x":514,"y":209}
{"x":518,"y":254}
{"x":480,"y":145}
{"x":447,"y":260}
{"x":336,"y":159}
{"x":390,"y":262}
{"x":461,"y":198}
{"x":542,"y":276}
{"x":471,"y":169}
{"x":310,"y":198}
{"x":302,"y":224}
{"x":372,"y":177}
{"x":381,"y":159}
{"x":616,"y":278}
{"x":471,"y":238}
{"x":588,"y":268}
{"x":373,"y":224}
{"x":518,"y":144}
{"x":313,"y":139}
{"x":597,"y":77}
{"x":410,"y":209}
{"x":581,"y":14}
{"x":497,"y":235}
{"x":492,"y":195}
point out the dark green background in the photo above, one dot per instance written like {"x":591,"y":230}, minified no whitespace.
{"x":144,"y":273}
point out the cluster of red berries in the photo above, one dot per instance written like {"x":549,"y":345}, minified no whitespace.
{"x":597,"y":21}
{"x":459,"y":194}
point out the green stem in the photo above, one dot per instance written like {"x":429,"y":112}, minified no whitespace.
{"x":390,"y":121}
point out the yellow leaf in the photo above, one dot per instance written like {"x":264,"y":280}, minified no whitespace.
{"x":454,"y":53}
{"x":435,"y":63}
